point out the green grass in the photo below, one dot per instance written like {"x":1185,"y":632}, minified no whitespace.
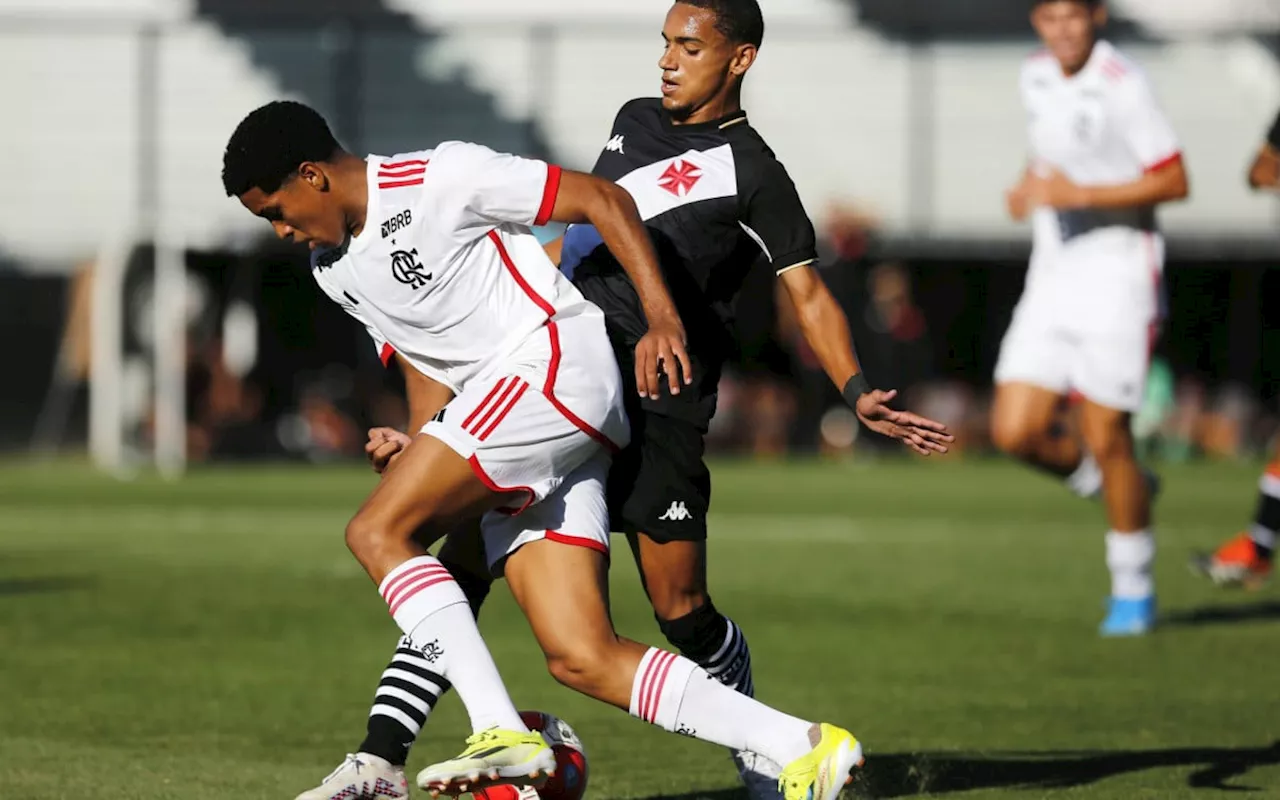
{"x":213,"y":638}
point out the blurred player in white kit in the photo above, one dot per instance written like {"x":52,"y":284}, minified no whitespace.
{"x":1102,"y":158}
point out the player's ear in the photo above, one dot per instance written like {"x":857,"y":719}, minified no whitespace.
{"x":314,"y":176}
{"x":744,"y":56}
{"x":1100,"y":15}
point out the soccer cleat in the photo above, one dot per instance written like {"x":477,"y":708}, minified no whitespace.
{"x":493,"y":757}
{"x":361,"y":777}
{"x":1129,"y":617}
{"x":825,"y":770}
{"x":1236,"y":563}
{"x":759,"y":775}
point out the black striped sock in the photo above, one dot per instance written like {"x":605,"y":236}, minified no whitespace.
{"x":406,"y":694}
{"x":712,"y":641}
{"x":731,"y":664}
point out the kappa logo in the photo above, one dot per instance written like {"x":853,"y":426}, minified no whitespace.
{"x":677,"y":513}
{"x":407,"y":270}
{"x":615,"y":144}
{"x":397,"y":222}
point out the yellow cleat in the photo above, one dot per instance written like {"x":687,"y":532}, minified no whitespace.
{"x":494,"y":757}
{"x":826,"y":770}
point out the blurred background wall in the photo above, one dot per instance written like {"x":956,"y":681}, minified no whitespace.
{"x":898,"y":119}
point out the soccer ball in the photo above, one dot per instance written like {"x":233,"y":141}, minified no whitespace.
{"x":570,"y":781}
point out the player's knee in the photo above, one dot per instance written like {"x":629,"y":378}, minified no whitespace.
{"x":1110,"y":444}
{"x":1109,"y":438}
{"x":675,"y":601}
{"x":363,"y":537}
{"x":1013,"y":438}
{"x":583,"y":667}
{"x":698,"y":633}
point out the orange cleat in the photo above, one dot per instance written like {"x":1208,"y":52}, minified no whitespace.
{"x":1236,"y":563}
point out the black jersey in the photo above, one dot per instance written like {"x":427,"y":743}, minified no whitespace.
{"x":1273,"y":137}
{"x":715,"y":200}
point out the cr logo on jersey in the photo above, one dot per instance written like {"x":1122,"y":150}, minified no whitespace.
{"x":680,"y":177}
{"x":405,"y":266}
{"x":396,"y":223}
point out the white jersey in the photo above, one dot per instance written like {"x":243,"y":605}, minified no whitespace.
{"x":1101,"y":126}
{"x":445,"y":271}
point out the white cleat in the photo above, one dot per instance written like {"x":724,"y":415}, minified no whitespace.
{"x":759,"y":775}
{"x":361,"y":777}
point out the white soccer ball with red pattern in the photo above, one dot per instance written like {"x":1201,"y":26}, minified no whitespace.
{"x":570,"y":781}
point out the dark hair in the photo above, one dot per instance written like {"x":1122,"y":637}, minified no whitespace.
{"x":739,"y":20}
{"x":271,"y":143}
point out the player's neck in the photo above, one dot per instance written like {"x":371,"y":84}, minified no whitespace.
{"x":718,"y":108}
{"x":352,"y":176}
{"x":1072,"y":70}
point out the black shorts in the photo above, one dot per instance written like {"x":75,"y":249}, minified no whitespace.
{"x":659,"y":485}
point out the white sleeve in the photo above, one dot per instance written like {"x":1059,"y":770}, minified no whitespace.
{"x":494,"y":188}
{"x":1146,"y":129}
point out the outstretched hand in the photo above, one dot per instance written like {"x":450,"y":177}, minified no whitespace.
{"x":662,"y":349}
{"x":925,"y":436}
{"x":384,"y":445}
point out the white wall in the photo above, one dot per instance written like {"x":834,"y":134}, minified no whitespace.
{"x":832,"y":99}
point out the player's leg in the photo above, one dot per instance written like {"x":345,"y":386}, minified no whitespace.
{"x":1031,"y":383}
{"x":583,"y":652}
{"x":409,"y":689}
{"x":1246,"y":559}
{"x":659,"y":495}
{"x":1111,"y":373}
{"x":431,"y":488}
{"x":407,"y":692}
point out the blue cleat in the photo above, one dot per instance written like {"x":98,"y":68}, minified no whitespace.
{"x":1128,"y":617}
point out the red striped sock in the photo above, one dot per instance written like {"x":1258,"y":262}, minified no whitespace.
{"x":677,"y":695}
{"x":431,"y":609}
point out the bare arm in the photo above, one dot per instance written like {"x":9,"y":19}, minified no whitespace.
{"x":553,"y":249}
{"x":607,"y":206}
{"x":826,"y":329}
{"x":823,"y":323}
{"x":426,"y":398}
{"x":1264,"y":174}
{"x":1165,"y":184}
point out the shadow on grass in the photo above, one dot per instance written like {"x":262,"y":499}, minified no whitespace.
{"x":918,"y":774}
{"x":18,"y":586}
{"x":1224,"y":614}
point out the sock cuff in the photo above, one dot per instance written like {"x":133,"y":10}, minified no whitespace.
{"x":659,"y":686}
{"x":1269,"y":483}
{"x":1130,"y":549}
{"x":417,"y":589}
{"x":1086,"y":481}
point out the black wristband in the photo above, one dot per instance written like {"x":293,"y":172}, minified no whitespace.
{"x":854,"y":388}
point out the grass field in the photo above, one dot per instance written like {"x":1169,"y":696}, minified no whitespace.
{"x":214,"y":639}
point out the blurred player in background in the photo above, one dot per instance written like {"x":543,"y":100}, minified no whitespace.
{"x":715,"y":199}
{"x":1102,"y":158}
{"x":1245,"y":560}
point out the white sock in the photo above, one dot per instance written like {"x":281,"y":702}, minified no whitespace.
{"x":1129,"y":556}
{"x":1263,"y":536}
{"x":1086,"y":481}
{"x":431,"y":609}
{"x":677,"y":695}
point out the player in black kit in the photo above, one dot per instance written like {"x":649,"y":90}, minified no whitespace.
{"x":715,"y":199}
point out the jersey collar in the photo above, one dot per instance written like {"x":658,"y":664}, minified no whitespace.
{"x":738,"y":117}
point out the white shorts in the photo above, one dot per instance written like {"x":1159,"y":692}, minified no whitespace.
{"x":544,"y":411}
{"x":575,"y":514}
{"x":1087,"y":322}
